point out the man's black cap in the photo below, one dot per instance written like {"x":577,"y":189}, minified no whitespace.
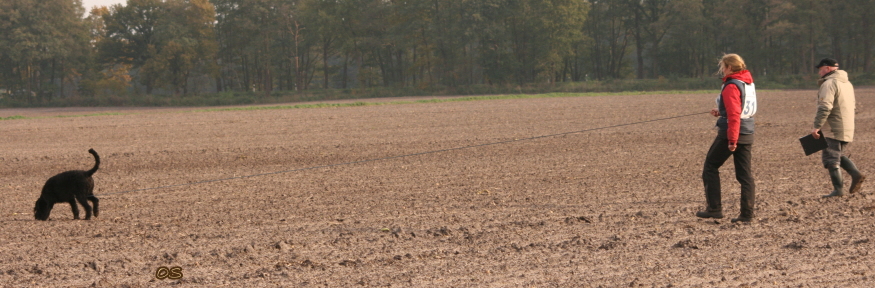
{"x":827,"y":62}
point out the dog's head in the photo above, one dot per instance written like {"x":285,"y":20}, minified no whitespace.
{"x":40,"y":210}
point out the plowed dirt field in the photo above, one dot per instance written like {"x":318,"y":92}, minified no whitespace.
{"x":318,"y":197}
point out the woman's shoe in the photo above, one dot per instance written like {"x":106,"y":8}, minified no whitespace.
{"x":709,"y":214}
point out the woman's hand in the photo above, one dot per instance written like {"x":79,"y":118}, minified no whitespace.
{"x":715,"y":112}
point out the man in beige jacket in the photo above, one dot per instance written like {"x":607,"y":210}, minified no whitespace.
{"x":835,"y":108}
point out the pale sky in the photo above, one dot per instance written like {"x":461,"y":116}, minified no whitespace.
{"x":88,"y":4}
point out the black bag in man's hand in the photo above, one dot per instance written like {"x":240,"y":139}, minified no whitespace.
{"x":811,"y":145}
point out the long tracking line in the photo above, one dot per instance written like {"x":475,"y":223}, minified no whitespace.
{"x":401,"y":156}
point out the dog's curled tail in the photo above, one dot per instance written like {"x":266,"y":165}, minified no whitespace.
{"x":96,"y":163}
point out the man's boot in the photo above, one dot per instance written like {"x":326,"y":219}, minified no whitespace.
{"x":857,"y":183}
{"x":835,"y":174}
{"x":857,"y":178}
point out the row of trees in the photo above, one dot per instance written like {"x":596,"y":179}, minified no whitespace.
{"x":177,"y":47}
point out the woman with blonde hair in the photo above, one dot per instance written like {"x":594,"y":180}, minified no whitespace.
{"x":736,"y":105}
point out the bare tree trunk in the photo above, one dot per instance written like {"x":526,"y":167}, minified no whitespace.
{"x":52,"y":74}
{"x":345,"y":70}
{"x":325,"y":45}
{"x":267,"y":79}
{"x":867,"y":41}
{"x":413,"y":77}
{"x":62,"y":94}
{"x":639,"y":46}
{"x":246,"y":83}
{"x":298,"y":77}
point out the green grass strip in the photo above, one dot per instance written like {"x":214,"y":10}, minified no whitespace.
{"x":362,"y":103}
{"x":453,"y":99}
{"x":13,"y":117}
{"x":90,"y":115}
{"x":17,"y":117}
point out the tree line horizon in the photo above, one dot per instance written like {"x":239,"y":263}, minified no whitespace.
{"x":179,"y":47}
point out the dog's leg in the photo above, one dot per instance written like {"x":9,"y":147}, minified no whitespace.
{"x":74,"y":208}
{"x":94,"y":201}
{"x":84,"y":201}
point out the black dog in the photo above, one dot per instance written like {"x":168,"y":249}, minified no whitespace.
{"x":68,"y":187}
